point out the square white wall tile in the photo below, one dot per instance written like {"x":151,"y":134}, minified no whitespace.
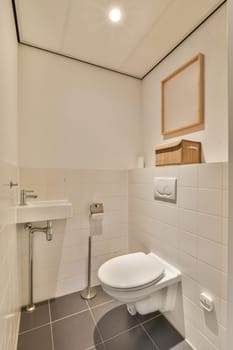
{"x":190,"y":289}
{"x":188,"y":175}
{"x":210,"y":278}
{"x":32,"y":176}
{"x":209,"y":201}
{"x":210,"y":252}
{"x":188,"y":220}
{"x":225,"y":213}
{"x":209,"y":226}
{"x":225,"y":231}
{"x":188,"y":198}
{"x":188,"y":243}
{"x":225,"y":169}
{"x":210,"y":175}
{"x":197,"y":339}
{"x":188,"y":265}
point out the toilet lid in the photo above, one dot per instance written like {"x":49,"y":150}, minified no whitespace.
{"x":130,"y":271}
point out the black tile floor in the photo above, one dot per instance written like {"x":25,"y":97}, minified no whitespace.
{"x":71,"y":323}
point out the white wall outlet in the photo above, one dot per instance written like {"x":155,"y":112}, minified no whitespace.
{"x":165,"y":188}
{"x":206,"y":302}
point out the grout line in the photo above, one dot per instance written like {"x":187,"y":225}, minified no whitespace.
{"x":144,"y":329}
{"x":122,"y":332}
{"x":51,"y":328}
{"x":94,"y":346}
{"x":95,"y":323}
{"x":17,"y":330}
{"x":66,"y":316}
{"x":176,"y":329}
{"x":146,"y":321}
{"x":70,"y":315}
{"x":35,"y":328}
{"x":102,"y":304}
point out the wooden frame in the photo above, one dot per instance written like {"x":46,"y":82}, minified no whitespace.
{"x":182,"y":97}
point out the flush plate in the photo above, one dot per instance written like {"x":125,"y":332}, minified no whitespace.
{"x":43,"y":211}
{"x":165,"y":188}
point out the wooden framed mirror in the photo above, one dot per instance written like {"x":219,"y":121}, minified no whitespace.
{"x":182,"y":97}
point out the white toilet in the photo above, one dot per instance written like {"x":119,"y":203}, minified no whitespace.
{"x":144,"y":282}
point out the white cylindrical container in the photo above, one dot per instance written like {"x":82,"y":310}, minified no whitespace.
{"x":140,"y":162}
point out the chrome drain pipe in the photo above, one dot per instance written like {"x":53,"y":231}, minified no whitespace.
{"x":49,"y":235}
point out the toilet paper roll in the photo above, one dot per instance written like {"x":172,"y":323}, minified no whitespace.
{"x":96,"y":224}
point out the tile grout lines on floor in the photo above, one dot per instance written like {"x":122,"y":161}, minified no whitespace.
{"x":70,"y":315}
{"x":100,"y":335}
{"x":141,"y":325}
{"x":51,"y":326}
{"x":34,"y":328}
{"x":62,"y":318}
{"x":94,"y":310}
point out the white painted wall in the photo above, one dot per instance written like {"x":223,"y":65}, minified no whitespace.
{"x":75,"y":115}
{"x":10,"y":299}
{"x":211,"y":40}
{"x":8,"y":85}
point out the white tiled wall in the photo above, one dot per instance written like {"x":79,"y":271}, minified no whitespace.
{"x":192,"y":235}
{"x":10,"y":300}
{"x":61,"y":265}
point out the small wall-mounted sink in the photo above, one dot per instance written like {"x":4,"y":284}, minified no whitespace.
{"x":43,"y":211}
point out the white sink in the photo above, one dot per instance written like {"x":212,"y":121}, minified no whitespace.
{"x":44,"y":210}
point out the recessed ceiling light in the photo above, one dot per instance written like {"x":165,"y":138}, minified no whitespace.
{"x":115,"y":15}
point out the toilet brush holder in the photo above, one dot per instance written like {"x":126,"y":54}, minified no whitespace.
{"x":89,"y":292}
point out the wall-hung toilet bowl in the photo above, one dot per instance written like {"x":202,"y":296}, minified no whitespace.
{"x":144,"y":282}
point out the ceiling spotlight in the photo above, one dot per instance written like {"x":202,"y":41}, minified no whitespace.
{"x":115,"y":15}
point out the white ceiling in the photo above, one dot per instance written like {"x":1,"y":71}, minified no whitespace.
{"x":148,"y":30}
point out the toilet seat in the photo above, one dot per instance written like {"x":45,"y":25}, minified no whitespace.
{"x":131,"y":271}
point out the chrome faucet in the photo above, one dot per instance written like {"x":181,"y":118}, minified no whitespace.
{"x":24,"y":194}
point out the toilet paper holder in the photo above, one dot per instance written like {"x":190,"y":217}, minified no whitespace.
{"x":90,"y":292}
{"x":96,"y":208}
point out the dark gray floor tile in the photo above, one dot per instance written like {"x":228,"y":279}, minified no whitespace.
{"x":163,"y":333}
{"x":38,"y":339}
{"x":135,"y":339}
{"x":36,"y":318}
{"x":67,"y":305}
{"x":148,"y":317}
{"x":112,"y":319}
{"x":182,"y":346}
{"x":75,"y":333}
{"x":101,"y":297}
